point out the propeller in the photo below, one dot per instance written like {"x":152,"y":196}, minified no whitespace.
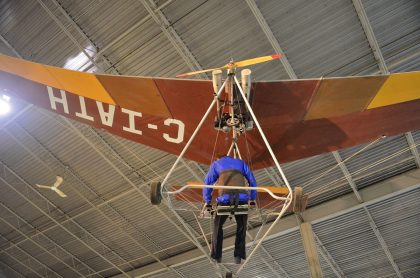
{"x":54,"y":188}
{"x":234,"y":65}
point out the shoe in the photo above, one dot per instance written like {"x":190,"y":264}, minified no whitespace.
{"x":237,"y":260}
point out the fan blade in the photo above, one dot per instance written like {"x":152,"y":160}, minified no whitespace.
{"x":58,"y":181}
{"x":61,"y":193}
{"x":195,"y":72}
{"x":258,"y":60}
{"x":43,"y":186}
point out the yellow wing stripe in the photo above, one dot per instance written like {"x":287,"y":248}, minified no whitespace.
{"x":341,"y":96}
{"x":399,"y":87}
{"x":80,"y":83}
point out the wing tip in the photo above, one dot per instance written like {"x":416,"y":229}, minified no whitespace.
{"x":276,"y":56}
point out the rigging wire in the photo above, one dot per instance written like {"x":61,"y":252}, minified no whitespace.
{"x":342,"y":162}
{"x":367,"y":167}
{"x":217,"y":135}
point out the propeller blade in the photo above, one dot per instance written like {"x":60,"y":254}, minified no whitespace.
{"x":58,"y":181}
{"x":258,"y":60}
{"x":43,"y":186}
{"x":238,"y":64}
{"x":195,"y":72}
{"x":61,"y":193}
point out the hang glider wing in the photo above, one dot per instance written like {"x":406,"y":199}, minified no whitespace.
{"x":301,"y":118}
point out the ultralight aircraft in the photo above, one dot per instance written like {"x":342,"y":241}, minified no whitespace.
{"x":264,"y":123}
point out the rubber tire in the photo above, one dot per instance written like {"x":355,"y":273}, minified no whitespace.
{"x":297,"y":199}
{"x":228,"y":275}
{"x":155,"y":195}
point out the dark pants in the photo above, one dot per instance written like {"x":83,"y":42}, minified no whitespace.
{"x":217,"y":240}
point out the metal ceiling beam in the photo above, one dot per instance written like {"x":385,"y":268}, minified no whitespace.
{"x":271,"y":38}
{"x":322,"y":212}
{"x":60,"y":167}
{"x":328,"y":258}
{"x":271,"y":259}
{"x":131,"y":29}
{"x":46,"y":214}
{"x":272,"y":269}
{"x":12,"y":269}
{"x":373,"y":42}
{"x":347,"y":175}
{"x":172,"y":36}
{"x":57,"y":247}
{"x":413,"y":147}
{"x":384,"y":245}
{"x":275,"y":263}
{"x":46,"y":268}
{"x":372,"y":223}
{"x":25,"y":266}
{"x":3,"y":39}
{"x":70,"y":36}
{"x":83,"y":34}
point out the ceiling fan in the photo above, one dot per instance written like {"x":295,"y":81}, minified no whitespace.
{"x":57,"y":183}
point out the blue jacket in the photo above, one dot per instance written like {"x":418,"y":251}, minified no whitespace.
{"x":228,"y":163}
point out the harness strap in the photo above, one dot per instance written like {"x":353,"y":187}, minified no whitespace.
{"x":236,"y":201}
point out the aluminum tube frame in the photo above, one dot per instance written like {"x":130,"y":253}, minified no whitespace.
{"x":289,"y":196}
{"x":182,"y":221}
{"x":227,"y":187}
{"x":192,"y":136}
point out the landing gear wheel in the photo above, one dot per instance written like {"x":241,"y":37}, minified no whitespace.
{"x":155,"y":195}
{"x":297,"y":199}
{"x":229,"y":275}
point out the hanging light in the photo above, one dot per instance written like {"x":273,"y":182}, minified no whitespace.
{"x":4,"y":104}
